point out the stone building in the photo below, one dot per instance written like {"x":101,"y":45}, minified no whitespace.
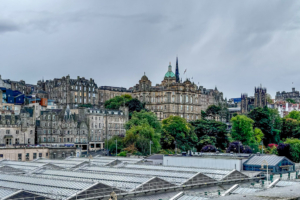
{"x":174,"y":97}
{"x":108,"y":92}
{"x":73,"y":92}
{"x":283,"y":96}
{"x":103,"y":124}
{"x":4,"y":84}
{"x":60,"y":126}
{"x":258,"y":100}
{"x":82,"y":127}
{"x":17,"y":129}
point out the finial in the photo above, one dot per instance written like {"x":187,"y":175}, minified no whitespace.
{"x":144,"y":73}
{"x":169,"y":63}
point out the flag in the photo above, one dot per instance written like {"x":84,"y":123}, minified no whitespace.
{"x":184,"y":71}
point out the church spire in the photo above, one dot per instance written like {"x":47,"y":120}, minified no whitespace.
{"x":177,"y":70}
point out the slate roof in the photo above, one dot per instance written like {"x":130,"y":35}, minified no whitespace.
{"x":272,"y":160}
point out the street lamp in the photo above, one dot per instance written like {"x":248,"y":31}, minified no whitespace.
{"x":150,"y":145}
{"x":116,"y":148}
{"x":262,"y":166}
{"x":175,"y":147}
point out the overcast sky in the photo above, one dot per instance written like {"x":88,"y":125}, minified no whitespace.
{"x":234,"y":45}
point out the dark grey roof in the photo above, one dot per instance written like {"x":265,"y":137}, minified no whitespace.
{"x":156,"y":157}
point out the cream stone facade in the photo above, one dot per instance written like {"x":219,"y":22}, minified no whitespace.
{"x":24,"y":154}
{"x":177,"y":98}
{"x":17,"y":129}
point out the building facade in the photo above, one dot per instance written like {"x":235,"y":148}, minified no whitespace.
{"x":174,"y":97}
{"x":283,"y":96}
{"x":73,"y":92}
{"x":108,"y":92}
{"x":87,"y":128}
{"x":17,"y":129}
{"x":103,"y":124}
{"x":258,"y":100}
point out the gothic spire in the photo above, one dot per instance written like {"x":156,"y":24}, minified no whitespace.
{"x":177,"y":70}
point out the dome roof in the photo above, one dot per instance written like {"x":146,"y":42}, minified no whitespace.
{"x":169,"y":75}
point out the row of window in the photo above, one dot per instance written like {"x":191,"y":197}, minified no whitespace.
{"x":17,"y":131}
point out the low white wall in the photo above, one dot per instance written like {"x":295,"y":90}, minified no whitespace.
{"x":203,"y":162}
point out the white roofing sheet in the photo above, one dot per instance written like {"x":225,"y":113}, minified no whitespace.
{"x":119,"y":158}
{"x":9,"y":162}
{"x":24,"y":168}
{"x":286,"y":183}
{"x":141,"y":171}
{"x":272,"y":160}
{"x":45,"y":182}
{"x":95,"y":176}
{"x":184,"y":169}
{"x":241,"y":190}
{"x":188,"y":197}
{"x":42,"y":185}
{"x":4,"y":192}
{"x":168,"y":176}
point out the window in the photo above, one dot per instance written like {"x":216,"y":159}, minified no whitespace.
{"x":7,"y":131}
{"x":40,"y":155}
{"x":1,"y":155}
{"x":17,"y":141}
{"x":44,"y":139}
{"x":31,"y":131}
{"x":34,"y":155}
{"x":17,"y":131}
{"x":19,"y":157}
{"x":28,"y":141}
{"x":64,"y":139}
{"x":59,"y":139}
{"x":47,"y":154}
{"x":187,"y":108}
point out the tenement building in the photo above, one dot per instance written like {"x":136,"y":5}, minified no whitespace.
{"x":283,"y":96}
{"x":83,"y":127}
{"x":17,"y":129}
{"x":174,"y":97}
{"x":73,"y":92}
{"x":103,"y":124}
{"x":259,"y":100}
{"x":60,"y":126}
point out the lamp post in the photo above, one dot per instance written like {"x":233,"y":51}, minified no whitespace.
{"x":150,"y":145}
{"x":175,"y":148}
{"x":116,"y":148}
{"x":262,"y":166}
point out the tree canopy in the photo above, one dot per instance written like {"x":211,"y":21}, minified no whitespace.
{"x":118,"y":101}
{"x":175,"y":128}
{"x":210,"y":132}
{"x":265,"y":120}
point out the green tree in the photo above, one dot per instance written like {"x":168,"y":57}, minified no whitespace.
{"x":262,"y":120}
{"x":258,"y":135}
{"x":141,"y":136}
{"x":291,"y":101}
{"x":175,"y":128}
{"x":210,"y":132}
{"x":290,"y":128}
{"x":213,"y":111}
{"x":118,"y":101}
{"x":294,"y":148}
{"x":135,"y":105}
{"x":144,"y":117}
{"x":293,"y":115}
{"x":112,"y":144}
{"x":242,"y":129}
{"x":142,"y":128}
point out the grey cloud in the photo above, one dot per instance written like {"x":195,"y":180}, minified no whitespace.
{"x":235,"y":45}
{"x":8,"y":26}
